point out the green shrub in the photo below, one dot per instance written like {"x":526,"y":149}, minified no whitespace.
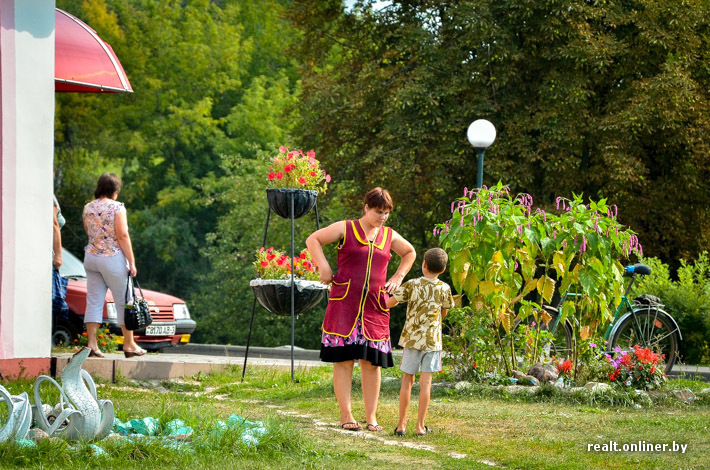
{"x":687,"y":300}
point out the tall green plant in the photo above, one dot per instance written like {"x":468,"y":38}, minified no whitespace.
{"x":510,"y":259}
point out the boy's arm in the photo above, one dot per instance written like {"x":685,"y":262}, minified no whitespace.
{"x":399,"y":295}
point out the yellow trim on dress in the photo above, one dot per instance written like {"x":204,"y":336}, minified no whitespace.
{"x":347,"y":289}
{"x":357,"y":235}
{"x":384,"y":238}
{"x":381,"y":290}
{"x":341,"y":242}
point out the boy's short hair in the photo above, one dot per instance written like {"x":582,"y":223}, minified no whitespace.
{"x":436,"y":259}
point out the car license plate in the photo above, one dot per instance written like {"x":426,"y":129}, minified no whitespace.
{"x":160,"y":330}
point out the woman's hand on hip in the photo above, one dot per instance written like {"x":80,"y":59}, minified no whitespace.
{"x":394,"y":283}
{"x":325,"y":274}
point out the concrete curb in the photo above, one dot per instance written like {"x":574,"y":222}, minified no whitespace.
{"x":169,"y":366}
{"x":282,"y":352}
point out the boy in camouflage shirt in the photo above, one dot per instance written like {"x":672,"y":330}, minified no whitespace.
{"x":429,"y":300}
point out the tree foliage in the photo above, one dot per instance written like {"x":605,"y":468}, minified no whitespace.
{"x":608,"y":99}
{"x":209,"y":79}
{"x":212,"y":88}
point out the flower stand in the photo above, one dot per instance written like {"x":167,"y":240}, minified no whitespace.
{"x":286,"y":296}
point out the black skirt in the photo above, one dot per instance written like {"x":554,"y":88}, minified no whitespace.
{"x":356,"y":351}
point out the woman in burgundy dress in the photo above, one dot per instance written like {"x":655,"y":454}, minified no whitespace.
{"x":356,"y":323}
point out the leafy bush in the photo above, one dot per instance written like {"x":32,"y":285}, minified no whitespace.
{"x":502,"y":250}
{"x":687,"y":300}
{"x":469,"y":342}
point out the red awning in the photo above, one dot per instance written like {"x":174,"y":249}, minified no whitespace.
{"x":83,"y":62}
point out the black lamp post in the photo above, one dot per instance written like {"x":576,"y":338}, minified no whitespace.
{"x":481,"y":134}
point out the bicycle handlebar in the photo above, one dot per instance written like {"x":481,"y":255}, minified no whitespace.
{"x":638,"y":268}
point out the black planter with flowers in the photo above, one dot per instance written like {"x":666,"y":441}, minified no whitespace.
{"x":280,"y":201}
{"x":288,"y":285}
{"x":275,"y":295}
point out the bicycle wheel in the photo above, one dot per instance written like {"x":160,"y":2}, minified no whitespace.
{"x":561,"y":345}
{"x":652,"y":328}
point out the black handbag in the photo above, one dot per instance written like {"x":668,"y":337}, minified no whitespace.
{"x":137,"y":314}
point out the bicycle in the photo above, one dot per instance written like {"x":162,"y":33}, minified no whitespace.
{"x":641,"y":321}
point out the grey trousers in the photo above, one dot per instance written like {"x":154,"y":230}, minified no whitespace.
{"x":105,"y":272}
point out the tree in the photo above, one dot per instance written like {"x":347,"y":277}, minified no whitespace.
{"x":601,"y":98}
{"x":209,"y":79}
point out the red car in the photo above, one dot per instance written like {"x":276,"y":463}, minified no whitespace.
{"x":171,"y":326}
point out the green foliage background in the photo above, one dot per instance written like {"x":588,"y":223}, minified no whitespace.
{"x":605,"y":98}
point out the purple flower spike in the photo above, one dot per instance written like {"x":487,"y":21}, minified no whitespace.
{"x":465,"y":191}
{"x":453,"y":203}
{"x":592,"y":345}
{"x":520,"y":229}
{"x":461,"y":224}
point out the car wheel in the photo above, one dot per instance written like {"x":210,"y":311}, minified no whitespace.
{"x":63,"y":333}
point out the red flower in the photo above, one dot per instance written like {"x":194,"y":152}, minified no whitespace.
{"x":272,"y":175}
{"x":270,"y":256}
{"x":313,"y":173}
{"x":279,"y":175}
{"x":311,"y":154}
{"x":287,"y":168}
{"x":302,"y":180}
{"x":565,"y":366}
{"x":264,"y":264}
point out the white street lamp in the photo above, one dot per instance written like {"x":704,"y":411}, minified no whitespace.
{"x":481,"y":134}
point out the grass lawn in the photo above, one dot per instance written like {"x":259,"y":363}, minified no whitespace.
{"x":474,"y":429}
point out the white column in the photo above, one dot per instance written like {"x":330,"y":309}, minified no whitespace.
{"x":26,"y":147}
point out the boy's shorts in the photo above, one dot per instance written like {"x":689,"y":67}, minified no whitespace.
{"x":414,"y":360}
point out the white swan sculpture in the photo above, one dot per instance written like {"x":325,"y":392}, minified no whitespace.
{"x":79,"y":413}
{"x":19,"y":417}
